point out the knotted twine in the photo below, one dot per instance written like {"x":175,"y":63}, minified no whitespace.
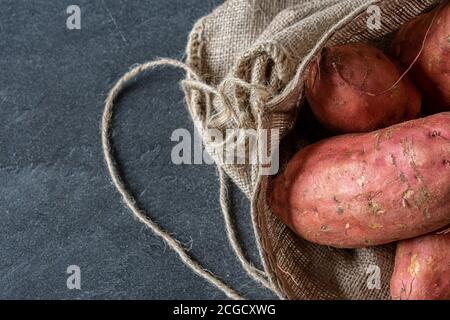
{"x":258,"y":275}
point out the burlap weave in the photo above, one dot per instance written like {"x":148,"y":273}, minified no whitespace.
{"x":268,"y":44}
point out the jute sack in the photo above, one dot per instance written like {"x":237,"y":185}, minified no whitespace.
{"x":267,"y":44}
{"x":245,"y":65}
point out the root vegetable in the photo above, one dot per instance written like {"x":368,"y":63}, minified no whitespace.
{"x":422,"y":269}
{"x":424,"y":44}
{"x":360,"y":190}
{"x":357,"y":88}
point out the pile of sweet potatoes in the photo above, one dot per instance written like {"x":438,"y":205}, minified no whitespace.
{"x":367,"y":187}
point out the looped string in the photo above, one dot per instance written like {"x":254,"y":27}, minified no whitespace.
{"x":194,"y":82}
{"x":228,"y":111}
{"x":255,"y":273}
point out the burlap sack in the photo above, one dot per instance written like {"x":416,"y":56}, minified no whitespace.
{"x":266,"y":45}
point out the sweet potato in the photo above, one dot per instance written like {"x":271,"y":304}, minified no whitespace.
{"x":422,"y":269}
{"x":367,"y":189}
{"x":352,"y":88}
{"x":431,"y":72}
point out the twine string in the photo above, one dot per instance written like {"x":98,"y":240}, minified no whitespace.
{"x":128,"y":198}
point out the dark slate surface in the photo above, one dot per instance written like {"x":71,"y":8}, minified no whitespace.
{"x":57,"y":205}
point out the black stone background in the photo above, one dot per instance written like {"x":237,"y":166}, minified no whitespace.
{"x":57,"y":205}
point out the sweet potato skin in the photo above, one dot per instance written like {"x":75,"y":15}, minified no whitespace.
{"x":431,"y":72}
{"x":360,"y":190}
{"x":422,"y":269}
{"x":344,"y":87}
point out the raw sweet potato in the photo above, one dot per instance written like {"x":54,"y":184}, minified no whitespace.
{"x":431,"y":71}
{"x":366,"y":189}
{"x":356,"y":88}
{"x":422,"y":269}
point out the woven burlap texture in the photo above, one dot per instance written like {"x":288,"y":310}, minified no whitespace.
{"x":268,"y":44}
